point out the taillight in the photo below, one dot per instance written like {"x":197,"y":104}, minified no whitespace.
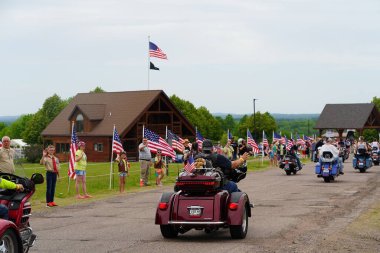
{"x":233,"y":206}
{"x":195,"y":183}
{"x":163,"y":206}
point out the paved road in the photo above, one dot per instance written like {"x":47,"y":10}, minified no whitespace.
{"x":291,"y":214}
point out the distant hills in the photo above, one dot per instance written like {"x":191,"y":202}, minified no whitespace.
{"x":277,"y":116}
{"x":8,"y":119}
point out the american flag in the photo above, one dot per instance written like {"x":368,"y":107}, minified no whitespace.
{"x":289,"y":145}
{"x":199,"y":139}
{"x":117,"y":147}
{"x":251,"y":142}
{"x":276,"y":137}
{"x":307,"y":138}
{"x":265,"y":140}
{"x":156,"y":142}
{"x":1,"y":144}
{"x":190,"y":165}
{"x":300,"y":141}
{"x":155,"y":51}
{"x":229,"y":135}
{"x":176,"y":141}
{"x":73,"y":150}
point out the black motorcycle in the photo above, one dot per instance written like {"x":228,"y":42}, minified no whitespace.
{"x":289,"y":165}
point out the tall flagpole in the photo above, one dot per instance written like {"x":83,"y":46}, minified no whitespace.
{"x":148,"y":62}
{"x":166,"y":157}
{"x":113,"y":137}
{"x":262,"y":155}
{"x":72,"y":130}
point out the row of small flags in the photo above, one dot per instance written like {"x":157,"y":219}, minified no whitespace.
{"x":156,"y":142}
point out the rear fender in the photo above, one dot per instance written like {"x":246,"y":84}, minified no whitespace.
{"x":163,"y":216}
{"x":234,"y":217}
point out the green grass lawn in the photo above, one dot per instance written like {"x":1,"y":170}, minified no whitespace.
{"x":98,"y":180}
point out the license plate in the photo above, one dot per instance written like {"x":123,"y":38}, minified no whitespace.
{"x":287,"y":166}
{"x":326,"y":171}
{"x":361,"y":164}
{"x":195,"y":211}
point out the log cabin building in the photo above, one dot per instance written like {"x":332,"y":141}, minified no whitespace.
{"x":95,"y":114}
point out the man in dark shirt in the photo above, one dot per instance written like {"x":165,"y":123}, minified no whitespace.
{"x":234,"y":145}
{"x":223,"y":163}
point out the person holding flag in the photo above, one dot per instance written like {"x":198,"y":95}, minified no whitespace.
{"x":159,"y":166}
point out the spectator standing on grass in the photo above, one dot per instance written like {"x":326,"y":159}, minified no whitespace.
{"x":274,"y":153}
{"x":51,"y":163}
{"x":80,"y":170}
{"x":235,"y":148}
{"x":159,"y":166}
{"x":124,"y":167}
{"x":228,"y":150}
{"x":145,"y":158}
{"x":7,"y":155}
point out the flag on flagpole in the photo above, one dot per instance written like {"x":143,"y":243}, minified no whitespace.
{"x":190,"y":165}
{"x":155,"y":51}
{"x":153,"y":67}
{"x":156,"y":142}
{"x":177,"y":142}
{"x":276,"y":136}
{"x":289,"y":144}
{"x":73,"y":150}
{"x":117,"y":147}
{"x":251,"y":142}
{"x":199,"y":139}
{"x":300,"y":141}
{"x":265,"y":140}
{"x":229,"y":135}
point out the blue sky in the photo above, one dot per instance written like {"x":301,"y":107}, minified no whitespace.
{"x":294,"y":56}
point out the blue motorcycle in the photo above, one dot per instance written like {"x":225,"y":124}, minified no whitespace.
{"x":328,"y":167}
{"x":362,"y":161}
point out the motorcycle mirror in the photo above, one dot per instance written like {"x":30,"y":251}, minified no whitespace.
{"x":37,"y":178}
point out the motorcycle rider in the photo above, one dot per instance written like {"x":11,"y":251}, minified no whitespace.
{"x":331,"y":148}
{"x":293,"y":152}
{"x":223,"y":163}
{"x":361,"y":145}
{"x":375,"y":145}
{"x":6,"y":184}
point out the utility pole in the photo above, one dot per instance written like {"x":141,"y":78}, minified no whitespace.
{"x":254,"y":118}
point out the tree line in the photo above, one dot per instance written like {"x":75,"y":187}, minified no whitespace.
{"x":30,"y":126}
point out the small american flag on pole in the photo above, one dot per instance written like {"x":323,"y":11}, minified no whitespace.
{"x":155,"y":51}
{"x":176,"y":141}
{"x":265,"y":140}
{"x":156,"y":142}
{"x":1,"y":144}
{"x":251,"y":142}
{"x":199,"y":139}
{"x":276,"y":136}
{"x":73,"y":150}
{"x":289,"y":145}
{"x":117,"y":147}
{"x":190,"y":165}
{"x":300,"y":141}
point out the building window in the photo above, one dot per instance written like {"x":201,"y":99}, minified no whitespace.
{"x":98,"y":147}
{"x":79,"y":123}
{"x":62,"y":148}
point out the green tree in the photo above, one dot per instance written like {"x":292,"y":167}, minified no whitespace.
{"x":201,"y":118}
{"x":263,"y":122}
{"x":38,"y":122}
{"x":376,"y":101}
{"x":17,"y":128}
{"x":98,"y":89}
